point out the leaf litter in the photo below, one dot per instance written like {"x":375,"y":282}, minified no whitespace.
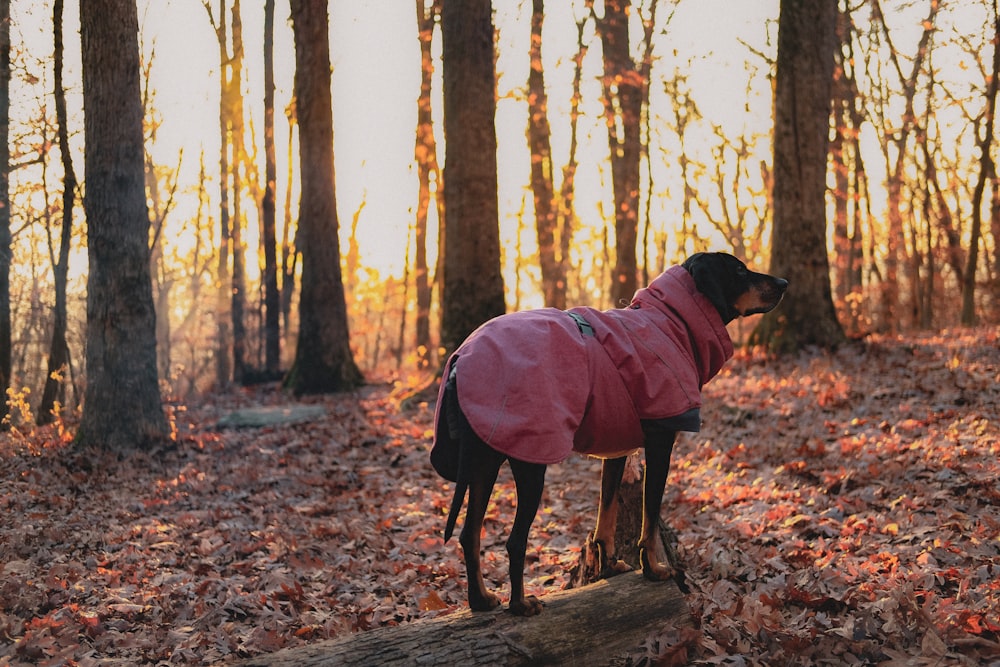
{"x":835,"y":509}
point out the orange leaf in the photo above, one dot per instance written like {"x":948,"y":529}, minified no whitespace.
{"x":432,"y":602}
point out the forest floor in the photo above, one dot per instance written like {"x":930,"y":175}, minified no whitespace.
{"x":836,"y":509}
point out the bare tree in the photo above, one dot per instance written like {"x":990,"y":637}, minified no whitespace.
{"x":806,"y":45}
{"x":59,"y":358}
{"x":289,"y":251}
{"x":238,"y":288}
{"x":566,"y":211}
{"x":626,"y":91}
{"x":552,"y":263}
{"x":425,"y":155}
{"x":224,"y":336}
{"x":5,"y":236}
{"x":850,"y":192}
{"x":987,"y":172}
{"x":323,"y":359}
{"x":473,"y":284}
{"x":122,"y":406}
{"x":898,"y":136}
{"x":272,"y":298}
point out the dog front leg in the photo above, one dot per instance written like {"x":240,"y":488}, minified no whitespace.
{"x":607,"y":518}
{"x":658,"y":451}
{"x":529,"y":479}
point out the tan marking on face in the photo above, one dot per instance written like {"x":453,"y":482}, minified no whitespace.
{"x":751,"y":300}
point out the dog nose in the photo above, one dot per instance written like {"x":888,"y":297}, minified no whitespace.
{"x":781,"y":283}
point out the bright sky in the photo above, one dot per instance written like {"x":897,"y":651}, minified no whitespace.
{"x":375,"y":82}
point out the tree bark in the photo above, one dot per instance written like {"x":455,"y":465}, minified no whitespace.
{"x":58,"y":361}
{"x":625,"y":92}
{"x":987,"y":172}
{"x":849,"y":174}
{"x":566,"y":211}
{"x":602,"y":624}
{"x":323,"y":359}
{"x":473,"y":285}
{"x":840,"y":155}
{"x":425,"y":154}
{"x":238,"y":288}
{"x":806,"y":46}
{"x":552,"y":264}
{"x":5,"y":234}
{"x":272,"y":298}
{"x":224,"y":337}
{"x":122,"y":406}
{"x":289,"y":251}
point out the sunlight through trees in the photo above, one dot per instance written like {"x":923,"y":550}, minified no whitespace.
{"x":628,"y":135}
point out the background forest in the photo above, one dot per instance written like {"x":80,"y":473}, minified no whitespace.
{"x":911,"y":187}
{"x":243,"y":236}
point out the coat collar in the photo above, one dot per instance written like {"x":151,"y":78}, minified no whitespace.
{"x":674,"y":294}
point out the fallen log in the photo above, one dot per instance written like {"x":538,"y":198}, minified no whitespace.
{"x":598,"y":624}
{"x":272,"y":415}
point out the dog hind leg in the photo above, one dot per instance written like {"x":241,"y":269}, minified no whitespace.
{"x":659,"y":445}
{"x":480,"y":467}
{"x":603,"y":538}
{"x":529,"y":478}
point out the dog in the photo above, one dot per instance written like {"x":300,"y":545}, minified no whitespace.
{"x":534,"y":386}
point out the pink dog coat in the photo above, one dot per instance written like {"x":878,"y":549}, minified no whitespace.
{"x":536,"y":385}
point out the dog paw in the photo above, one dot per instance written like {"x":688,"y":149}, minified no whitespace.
{"x":614,"y":567}
{"x":655,"y":571}
{"x":609,"y":565}
{"x":483,"y":602}
{"x":529,"y":606}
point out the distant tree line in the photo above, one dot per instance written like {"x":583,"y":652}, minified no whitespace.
{"x":861,"y":123}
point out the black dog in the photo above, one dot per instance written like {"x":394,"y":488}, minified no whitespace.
{"x":531,"y":387}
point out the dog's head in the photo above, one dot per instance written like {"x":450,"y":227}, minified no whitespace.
{"x":733,"y":289}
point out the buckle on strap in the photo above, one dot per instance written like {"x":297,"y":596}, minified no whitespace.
{"x":582,"y":324}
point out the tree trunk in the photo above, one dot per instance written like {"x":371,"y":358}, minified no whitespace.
{"x":626,"y":92}
{"x":900,"y":136}
{"x":425,"y":155}
{"x":566,"y":211}
{"x":223,"y":339}
{"x":289,"y":252}
{"x":238,"y":288}
{"x":623,"y":101}
{"x":995,"y":228}
{"x":955,"y":256}
{"x":861,"y":210}
{"x":323,"y":359}
{"x":553,"y":266}
{"x":602,"y":624}
{"x":5,"y":234}
{"x":122,"y":406}
{"x":473,"y":285}
{"x":272,"y":299}
{"x":841,"y":157}
{"x":987,"y":171}
{"x":806,"y":46}
{"x":159,"y":209}
{"x":58,"y":361}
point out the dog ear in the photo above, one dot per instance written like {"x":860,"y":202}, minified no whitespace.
{"x":709,"y":276}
